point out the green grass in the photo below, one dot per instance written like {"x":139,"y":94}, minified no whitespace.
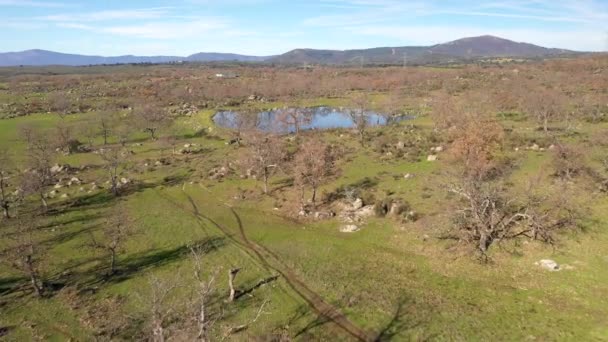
{"x":443,"y":293}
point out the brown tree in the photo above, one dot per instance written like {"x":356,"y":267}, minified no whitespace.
{"x":267,"y":154}
{"x":314,"y":162}
{"x":359,"y":115}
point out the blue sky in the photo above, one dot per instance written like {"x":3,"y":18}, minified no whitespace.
{"x":264,"y":27}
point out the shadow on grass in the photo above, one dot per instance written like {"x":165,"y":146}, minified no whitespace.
{"x":134,"y":264}
{"x":399,"y":323}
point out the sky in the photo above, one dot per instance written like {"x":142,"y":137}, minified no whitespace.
{"x":268,"y":27}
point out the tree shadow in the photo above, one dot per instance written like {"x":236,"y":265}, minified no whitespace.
{"x":241,"y":293}
{"x":135,"y":264}
{"x":399,"y":323}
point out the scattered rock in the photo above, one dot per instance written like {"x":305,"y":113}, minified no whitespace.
{"x":431,"y":158}
{"x":349,"y":228}
{"x":408,"y":176}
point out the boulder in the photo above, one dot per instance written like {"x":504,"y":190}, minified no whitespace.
{"x":357,"y":204}
{"x":349,"y":228}
{"x":400,"y":145}
{"x":57,"y":168}
{"x":548,"y":264}
{"x":365,"y":212}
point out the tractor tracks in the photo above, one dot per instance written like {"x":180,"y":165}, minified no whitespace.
{"x":273,"y":263}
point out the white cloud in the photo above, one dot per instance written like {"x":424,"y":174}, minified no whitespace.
{"x":137,"y":14}
{"x":27,"y":3}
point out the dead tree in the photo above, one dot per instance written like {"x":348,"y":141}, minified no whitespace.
{"x":359,"y":115}
{"x":116,"y":229}
{"x":313,"y":164}
{"x":267,"y":155}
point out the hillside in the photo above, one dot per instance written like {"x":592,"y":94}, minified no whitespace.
{"x":475,"y":47}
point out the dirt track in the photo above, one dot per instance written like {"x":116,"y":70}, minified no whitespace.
{"x":273,"y":263}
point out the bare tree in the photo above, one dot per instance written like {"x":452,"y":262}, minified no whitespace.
{"x":25,"y":252}
{"x":114,"y":161}
{"x":359,"y":115}
{"x":545,"y":105}
{"x":116,"y":229}
{"x":39,"y":157}
{"x":204,"y":289}
{"x":160,"y":305}
{"x":231,"y":277}
{"x":294,"y":117}
{"x":105,"y":123}
{"x":6,"y":172}
{"x":313,"y":164}
{"x":243,"y":122}
{"x":151,"y":118}
{"x":267,"y":154}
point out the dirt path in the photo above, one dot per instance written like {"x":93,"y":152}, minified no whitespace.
{"x":273,"y":263}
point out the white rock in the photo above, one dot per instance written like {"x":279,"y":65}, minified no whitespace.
{"x":431,"y":158}
{"x":64,"y":196}
{"x":357,"y":204}
{"x":58,"y":186}
{"x":124,"y":181}
{"x":408,"y":176}
{"x":349,"y":228}
{"x":549,"y":265}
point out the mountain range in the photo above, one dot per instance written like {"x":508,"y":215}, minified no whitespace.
{"x":458,"y":50}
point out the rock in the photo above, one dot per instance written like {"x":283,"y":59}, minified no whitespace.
{"x":431,"y":158}
{"x":81,"y":189}
{"x":437,"y":149}
{"x":302,"y":213}
{"x":349,"y":228}
{"x":58,"y":186}
{"x":365,"y":212}
{"x":552,"y":147}
{"x":535,"y":147}
{"x":52,"y":194}
{"x":65,"y":196}
{"x":187,"y":145}
{"x":408,"y":176}
{"x":549,"y":265}
{"x":357,"y":204}
{"x":395,"y":209}
{"x":125,"y":181}
{"x":57,"y":168}
{"x":400,"y":145}
{"x":324,"y":215}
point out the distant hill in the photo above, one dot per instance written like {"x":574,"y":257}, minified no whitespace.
{"x":43,"y":57}
{"x":458,"y":50}
{"x":474,"y":47}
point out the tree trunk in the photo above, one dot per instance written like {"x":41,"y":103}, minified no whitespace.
{"x":265,"y":181}
{"x":45,"y":205}
{"x":546,"y":125}
{"x":5,"y":207}
{"x":105,"y":138}
{"x":202,"y":323}
{"x":112,"y":262}
{"x":33,"y":276}
{"x":231,"y":275}
{"x":314,"y":197}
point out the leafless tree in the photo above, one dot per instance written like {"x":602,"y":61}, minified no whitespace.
{"x":114,"y":160}
{"x":244,"y":121}
{"x":39,"y":156}
{"x":104,"y":122}
{"x":294,"y":117}
{"x":117,"y":228}
{"x":204,"y":289}
{"x":267,"y":154}
{"x":231,"y":277}
{"x":160,"y":305}
{"x":546,"y":105}
{"x":6,"y":172}
{"x":313,"y":164}
{"x":151,"y":118}
{"x":359,"y":115}
{"x":25,"y":253}
{"x":490,"y":214}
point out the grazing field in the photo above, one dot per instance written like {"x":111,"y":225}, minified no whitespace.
{"x":442,"y":227}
